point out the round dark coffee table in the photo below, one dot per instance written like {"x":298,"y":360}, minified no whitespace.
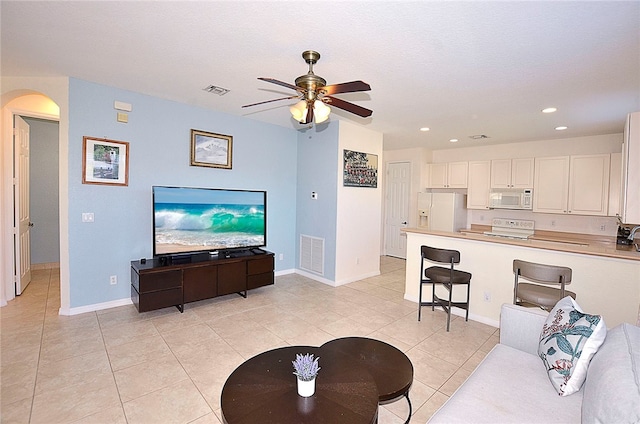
{"x":263,"y":390}
{"x":390,"y":367}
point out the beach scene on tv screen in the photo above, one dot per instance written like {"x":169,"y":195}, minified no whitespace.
{"x":205,"y":220}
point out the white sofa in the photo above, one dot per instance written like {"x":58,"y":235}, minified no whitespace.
{"x":511,"y":384}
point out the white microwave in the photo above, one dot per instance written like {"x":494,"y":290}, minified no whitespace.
{"x":511,"y":198}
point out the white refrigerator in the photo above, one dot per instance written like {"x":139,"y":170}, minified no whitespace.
{"x":442,"y":211}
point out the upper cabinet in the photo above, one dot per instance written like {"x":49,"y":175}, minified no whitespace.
{"x":615,"y":182}
{"x":512,"y":173}
{"x":551,"y":184}
{"x":479,"y":184}
{"x":589,"y":184}
{"x":447,"y":175}
{"x":572,"y":184}
{"x":630,"y":184}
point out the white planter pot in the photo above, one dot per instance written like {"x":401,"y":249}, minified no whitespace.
{"x":306,"y":388}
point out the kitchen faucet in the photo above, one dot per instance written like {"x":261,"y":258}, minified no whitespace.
{"x":633,"y":232}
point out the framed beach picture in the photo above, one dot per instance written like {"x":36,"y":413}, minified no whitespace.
{"x":212,"y":150}
{"x":360,"y":169}
{"x":105,"y":161}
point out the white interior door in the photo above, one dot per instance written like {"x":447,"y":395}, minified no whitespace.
{"x":397,"y":208}
{"x":21,"y":205}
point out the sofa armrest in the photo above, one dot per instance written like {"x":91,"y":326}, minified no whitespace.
{"x":520,"y":327}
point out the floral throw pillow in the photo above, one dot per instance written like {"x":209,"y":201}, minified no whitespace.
{"x":568,"y":341}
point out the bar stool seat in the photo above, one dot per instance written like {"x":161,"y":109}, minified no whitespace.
{"x":447,"y":277}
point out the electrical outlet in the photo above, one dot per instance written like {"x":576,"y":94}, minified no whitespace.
{"x":281,"y":257}
{"x":553,"y":223}
{"x":603,"y":228}
{"x":487,"y":296}
{"x":113,"y":280}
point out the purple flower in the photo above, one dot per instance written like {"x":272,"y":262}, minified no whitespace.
{"x":306,"y":368}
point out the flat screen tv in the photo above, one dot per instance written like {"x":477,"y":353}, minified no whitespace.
{"x":191,"y":220}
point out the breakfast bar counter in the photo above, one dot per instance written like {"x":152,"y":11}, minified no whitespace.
{"x":606,"y":278}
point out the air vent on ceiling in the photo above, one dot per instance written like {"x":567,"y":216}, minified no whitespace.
{"x":478,"y":137}
{"x":216,"y":90}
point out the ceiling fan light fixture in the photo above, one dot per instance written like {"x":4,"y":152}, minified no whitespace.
{"x":321,"y":111}
{"x":299,"y":110}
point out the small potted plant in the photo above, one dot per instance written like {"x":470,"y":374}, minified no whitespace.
{"x":306,"y":369}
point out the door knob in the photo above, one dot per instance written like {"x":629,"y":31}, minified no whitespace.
{"x":404,"y":223}
{"x":30,"y":224}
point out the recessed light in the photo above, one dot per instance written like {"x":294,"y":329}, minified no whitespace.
{"x":454,"y":140}
{"x":425,"y":129}
{"x":549,"y":110}
{"x":562,"y":128}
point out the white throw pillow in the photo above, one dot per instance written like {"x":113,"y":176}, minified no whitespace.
{"x":568,"y":341}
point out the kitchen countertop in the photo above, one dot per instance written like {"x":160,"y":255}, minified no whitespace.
{"x":550,"y":240}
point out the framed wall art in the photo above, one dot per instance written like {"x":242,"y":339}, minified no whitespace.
{"x":105,"y":161}
{"x":212,"y":150}
{"x":360,"y":169}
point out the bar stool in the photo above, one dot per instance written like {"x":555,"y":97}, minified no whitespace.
{"x":541,"y":276}
{"x":448,"y":277}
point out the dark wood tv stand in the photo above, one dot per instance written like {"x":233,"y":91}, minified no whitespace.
{"x":157,"y":284}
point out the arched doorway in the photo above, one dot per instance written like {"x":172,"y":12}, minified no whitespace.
{"x":20,"y":103}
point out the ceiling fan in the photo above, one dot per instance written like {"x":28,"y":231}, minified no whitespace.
{"x":315,"y":94}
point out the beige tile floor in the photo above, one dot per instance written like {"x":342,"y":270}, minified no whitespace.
{"x":119,"y":366}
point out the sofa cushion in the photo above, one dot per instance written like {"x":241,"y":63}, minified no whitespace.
{"x":568,"y":341}
{"x":509,"y":386}
{"x":612,"y":389}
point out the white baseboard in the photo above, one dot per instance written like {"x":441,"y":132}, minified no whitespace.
{"x":284,"y":272}
{"x":335,"y":283}
{"x":316,"y":277}
{"x":95,"y":307}
{"x":462,"y":313}
{"x":45,"y":265}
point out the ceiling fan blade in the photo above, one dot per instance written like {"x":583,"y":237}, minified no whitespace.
{"x":349,"y":107}
{"x":269,"y":101}
{"x":346,"y":87}
{"x":282,"y":83}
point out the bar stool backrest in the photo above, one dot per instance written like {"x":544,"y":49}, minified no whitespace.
{"x":444,"y":256}
{"x":543,"y":274}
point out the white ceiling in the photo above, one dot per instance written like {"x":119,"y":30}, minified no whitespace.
{"x":460,"y":68}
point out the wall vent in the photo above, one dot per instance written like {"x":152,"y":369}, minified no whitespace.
{"x":312,"y":254}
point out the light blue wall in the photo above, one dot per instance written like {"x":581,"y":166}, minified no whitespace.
{"x":317,"y":171}
{"x":264,"y":158}
{"x":43,"y":190}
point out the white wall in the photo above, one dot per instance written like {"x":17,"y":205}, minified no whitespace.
{"x":358,"y":211}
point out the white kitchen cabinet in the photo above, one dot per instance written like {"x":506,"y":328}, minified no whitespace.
{"x":572,"y":184}
{"x":551,"y":184}
{"x":479,"y":184}
{"x":512,"y":173}
{"x":589,"y":184}
{"x":447,"y":175}
{"x":630,"y":184}
{"x":615,"y":183}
